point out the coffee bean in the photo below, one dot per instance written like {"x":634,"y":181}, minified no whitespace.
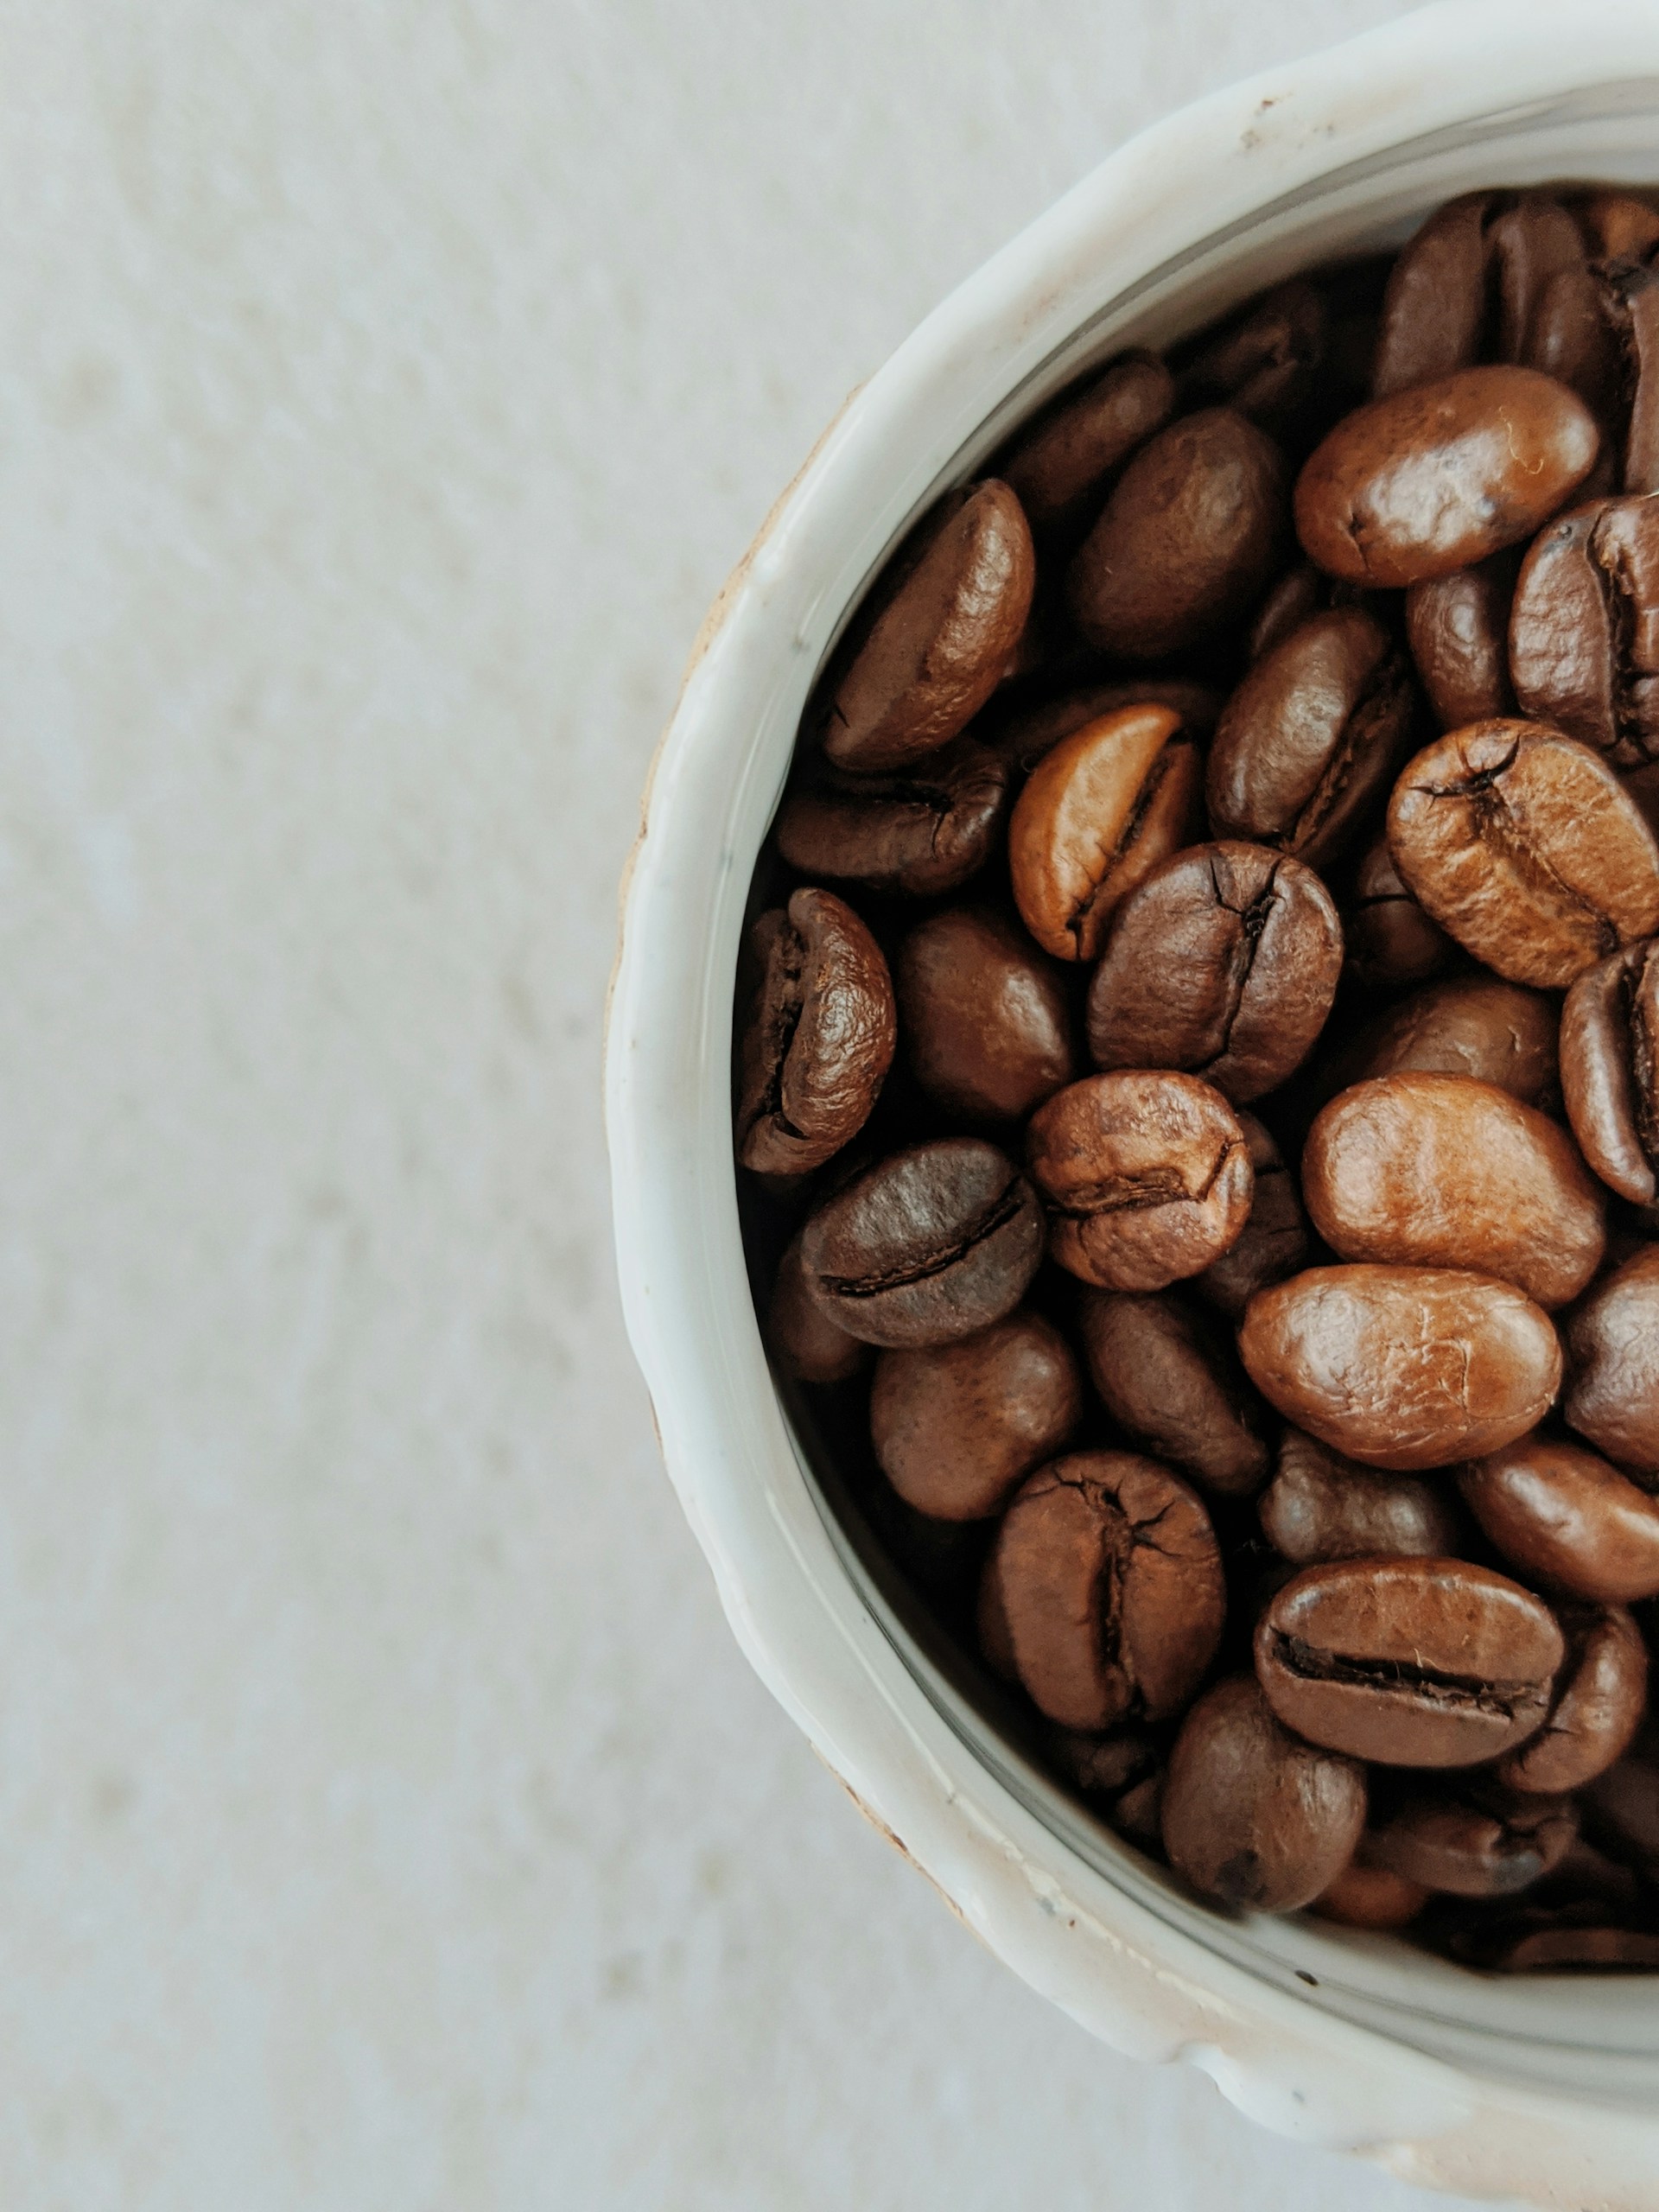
{"x":1145,"y":1177}
{"x":1566,"y":1520}
{"x":1252,"y":1816}
{"x":1057,"y":468}
{"x":819,"y":1036}
{"x":986,"y":1026}
{"x":958,"y":1426}
{"x":1442,"y":475}
{"x":1544,"y":285}
{"x":923,"y":831}
{"x":1476,"y":1026}
{"x":1595,"y":1708}
{"x":1273,"y":1242}
{"x":1299,"y":593}
{"x":1612,"y":1343}
{"x":929,"y":1244}
{"x":1139,"y":1813}
{"x":1029,"y":735}
{"x":938,"y":648}
{"x":1173,"y":1384}
{"x":1369,"y":1897}
{"x":1621,"y":1806}
{"x":1616,"y":227}
{"x":804,"y":1341}
{"x":1266,"y":363}
{"x":1629,"y":304}
{"x":1435,"y":307}
{"x":1416,"y":1662}
{"x":1439,"y":1171}
{"x":1189,"y":537}
{"x":1584,"y":633}
{"x":1404,"y":1368}
{"x":1458,"y":627}
{"x":1610,"y":1069}
{"x":1100,"y":811}
{"x":1223,"y":964}
{"x":1524,"y":845}
{"x":1322,"y":1506}
{"x":1111,"y":1582}
{"x":1483,"y":1844}
{"x":1550,"y":1942}
{"x":1391,"y":943}
{"x":1101,"y":1765}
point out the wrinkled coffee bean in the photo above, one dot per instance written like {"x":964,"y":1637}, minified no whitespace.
{"x":957,"y":1427}
{"x":1458,"y":629}
{"x":1369,"y":1897}
{"x":1481,"y":1844}
{"x":1273,"y":1242}
{"x":1224,"y":963}
{"x":1062,"y":465}
{"x":1030,"y":735}
{"x":931,"y":1244}
{"x":1321,"y":1506}
{"x":1583,"y":632}
{"x":1610,"y":1069}
{"x":1100,"y":811}
{"x":1252,"y":1815}
{"x":1111,"y":1586}
{"x":1476,"y":1026}
{"x":1612,"y":1345}
{"x":1417,"y":1663}
{"x":1595,"y":1707}
{"x":922,"y":832}
{"x":987,"y":1030}
{"x":1403,"y":1368}
{"x":1565,"y":1519}
{"x":1175,"y":1386}
{"x":1267,"y":362}
{"x":1390,"y":941}
{"x":1145,"y":1177}
{"x":1525,"y":847}
{"x":804,"y":1341}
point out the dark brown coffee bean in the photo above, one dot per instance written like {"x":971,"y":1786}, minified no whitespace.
{"x":1435,"y":310}
{"x":1266,"y":361}
{"x":1628,"y":294}
{"x":1369,"y":1897}
{"x":1174,"y":1385}
{"x":1390,"y":941}
{"x":1483,"y":1844}
{"x":1252,"y":1816}
{"x":1443,"y":475}
{"x":1539,"y":1942}
{"x":986,"y":1026}
{"x":1524,"y":845}
{"x":1101,"y":1765}
{"x":1029,"y":736}
{"x":1595,"y":1707}
{"x":1100,"y":811}
{"x":1139,"y":1813}
{"x":1566,"y":1520}
{"x":1458,"y":627}
{"x":938,"y":648}
{"x":959,"y":1426}
{"x":1610,"y":1069}
{"x":1409,"y":1661}
{"x":1476,"y":1026}
{"x":1145,"y":1177}
{"x":819,"y":1036}
{"x":931,"y":1244}
{"x":1439,"y":1171}
{"x":991,"y":1623}
{"x":1621,"y":1806}
{"x":1584,"y":631}
{"x":1321,"y":1506}
{"x":1192,"y":533}
{"x":1404,"y":1368}
{"x":1301,"y":592}
{"x":1112,"y":1586}
{"x":1060,"y":468}
{"x":922,"y":832}
{"x":1612,"y":1343}
{"x":1273,"y":1242}
{"x":804,"y":1341}
{"x":1224,"y":963}
{"x":1541,"y":268}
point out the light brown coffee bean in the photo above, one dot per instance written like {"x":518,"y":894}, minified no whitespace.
{"x":1174,"y":1386}
{"x":1618,"y":226}
{"x":1595,"y":1707}
{"x":1477,"y":1025}
{"x":1612,"y":1341}
{"x":1063,"y":463}
{"x":986,"y":1026}
{"x":1321,"y":1506}
{"x":957,"y":1427}
{"x":1610,"y":1069}
{"x":1273,"y":1242}
{"x":1566,"y":1520}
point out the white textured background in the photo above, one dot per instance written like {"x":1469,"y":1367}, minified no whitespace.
{"x":386,"y":1820}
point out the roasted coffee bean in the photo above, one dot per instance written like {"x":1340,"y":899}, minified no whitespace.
{"x":1190,"y":535}
{"x":1595,"y":1707}
{"x":1404,"y":1368}
{"x":1434,"y":309}
{"x":1618,"y":226}
{"x":1442,"y":475}
{"x":1100,"y":1765}
{"x":1621,"y":1806}
{"x":1273,"y":1242}
{"x":1301,"y":592}
{"x":1584,"y":631}
{"x":1613,"y":1344}
{"x":1111,"y":1585}
{"x":1321,"y":1506}
{"x":957,"y":1427}
{"x":1629,"y":292}
{"x":1543,"y":282}
{"x":1060,"y":468}
{"x":921,"y":832}
{"x":819,"y":1036}
{"x":804,"y":1341}
{"x":1369,"y":1897}
{"x":1524,"y":845}
{"x":1565,"y":1519}
{"x":1426,"y":1662}
{"x":1250,"y":1815}
{"x":1439,"y":1171}
{"x":1390,"y":941}
{"x":1147,"y":1178}
{"x":1266,"y":361}
{"x":1223,"y":964}
{"x":1023,"y":739}
{"x":1480,"y":1843}
{"x":984,"y":1019}
{"x":991,"y":1622}
{"x":1100,"y":811}
{"x":1476,"y":1026}
{"x":1139,"y":1813}
{"x":1458,"y":627}
{"x":1610,"y":1069}
{"x":931,"y":1244}
{"x":938,"y":648}
{"x":1312,"y":737}
{"x":1174,"y":1385}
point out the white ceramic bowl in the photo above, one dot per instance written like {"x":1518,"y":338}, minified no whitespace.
{"x":1545,"y":2089}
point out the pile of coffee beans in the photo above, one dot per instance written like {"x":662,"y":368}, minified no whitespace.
{"x":1197,"y":1088}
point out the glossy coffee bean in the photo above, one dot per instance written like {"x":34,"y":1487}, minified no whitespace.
{"x":1476,"y":1026}
{"x":1390,"y":941}
{"x":1403,"y":1368}
{"x":1524,"y":845}
{"x":1610,"y":1069}
{"x":1145,"y":1177}
{"x":931,"y":1244}
{"x":804,"y":1341}
{"x":1099,"y":814}
{"x":1458,"y":629}
{"x":1613,"y":1344}
{"x":1566,"y":1520}
{"x":1023,"y":739}
{"x":819,"y":1036}
{"x":1439,"y":1171}
{"x":1061,"y":466}
{"x":1442,"y":475}
{"x":957,"y":1427}
{"x":1224,"y":963}
{"x":1273,"y":1242}
{"x":1481,"y":1845}
{"x":922,"y":831}
{"x":1251,"y":1816}
{"x":1583,"y":632}
{"x":938,"y":648}
{"x":1409,"y":1661}
{"x":1189,"y":537}
{"x":1435,"y":307}
{"x":1595,"y":1708}
{"x":1321,"y":1506}
{"x":1266,"y":361}
{"x":984,"y":1017}
{"x":1312,"y":737}
{"x":1369,"y":1897}
{"x":1172,"y":1382}
{"x":1111,"y":1586}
